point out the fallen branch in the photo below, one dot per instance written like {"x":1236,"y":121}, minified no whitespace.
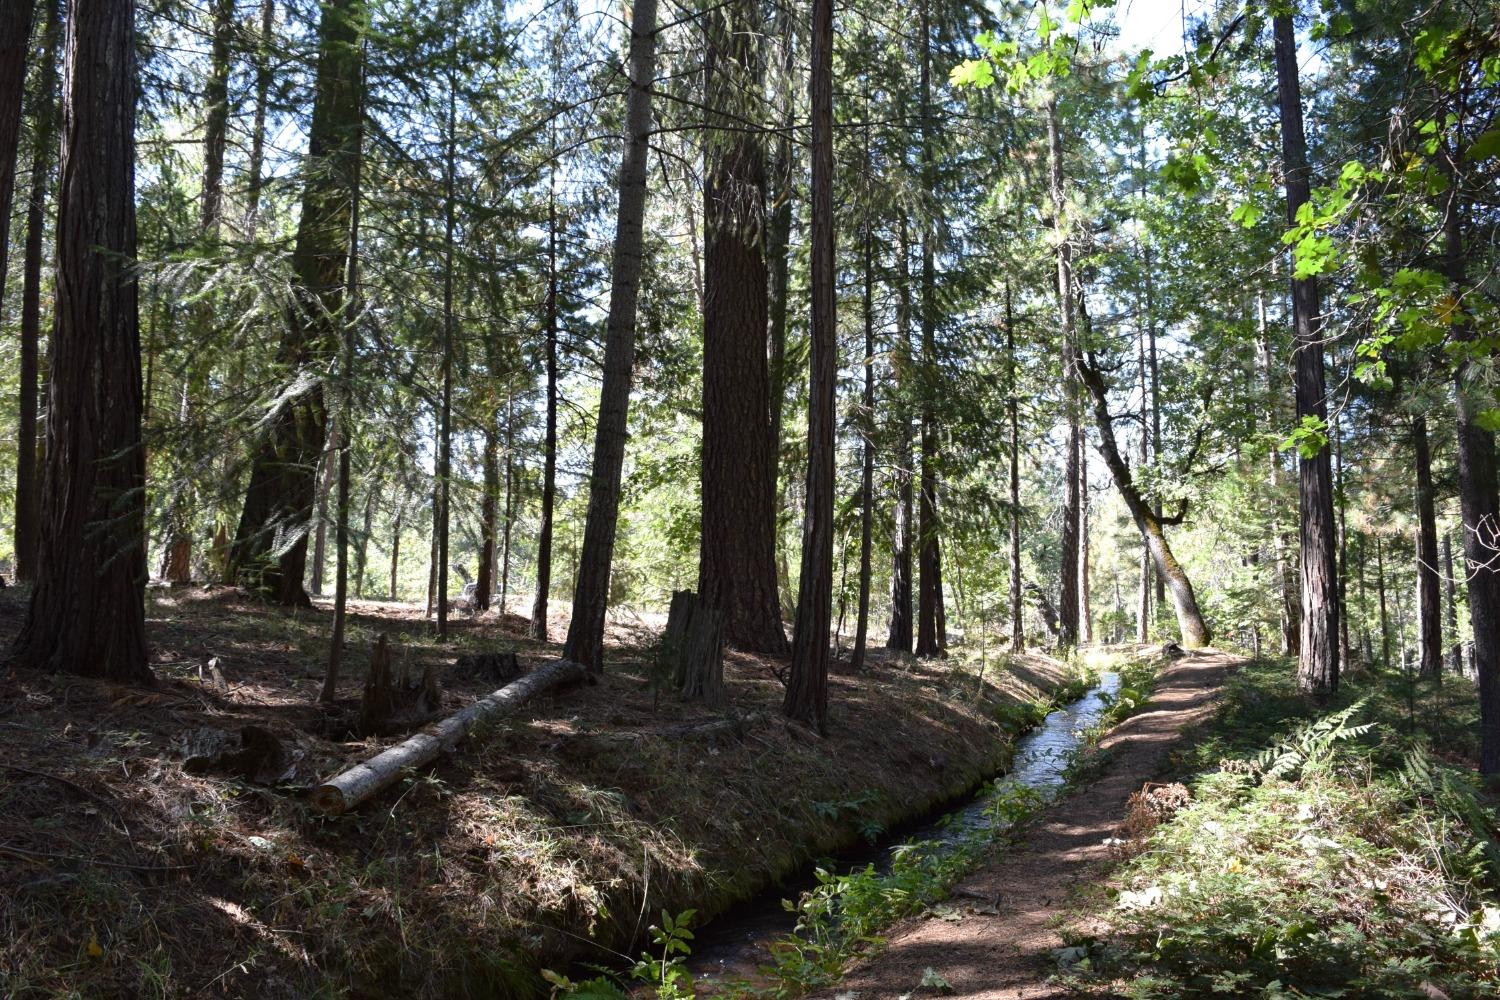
{"x":347,"y":790}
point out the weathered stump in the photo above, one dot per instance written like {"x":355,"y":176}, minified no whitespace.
{"x":395,"y":705}
{"x":693,"y":646}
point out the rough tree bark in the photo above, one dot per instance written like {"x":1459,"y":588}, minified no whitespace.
{"x":1477,"y":476}
{"x":538,"y":628}
{"x":900,"y":635}
{"x":1318,"y":658}
{"x":931,"y":640}
{"x":270,"y":546}
{"x":445,"y":420}
{"x":867,"y":462}
{"x":585,"y":643}
{"x":484,"y":580}
{"x":1429,"y":594}
{"x":1190,"y":623}
{"x":44,"y":130}
{"x":263,"y":72}
{"x":807,"y":683}
{"x":1067,"y":605}
{"x":15,"y":42}
{"x":1012,"y":407}
{"x":87,"y":612}
{"x":737,"y":552}
{"x":344,"y":427}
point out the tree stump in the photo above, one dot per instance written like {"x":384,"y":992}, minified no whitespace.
{"x":395,"y":705}
{"x":693,"y":646}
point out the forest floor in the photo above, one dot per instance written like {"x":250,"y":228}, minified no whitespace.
{"x":1005,"y":940}
{"x":549,"y":839}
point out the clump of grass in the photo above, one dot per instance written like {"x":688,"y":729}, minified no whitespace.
{"x":1341,"y":859}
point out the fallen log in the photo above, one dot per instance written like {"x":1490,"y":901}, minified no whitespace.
{"x":347,"y":790}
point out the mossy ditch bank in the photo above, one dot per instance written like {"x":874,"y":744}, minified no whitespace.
{"x":553,"y":839}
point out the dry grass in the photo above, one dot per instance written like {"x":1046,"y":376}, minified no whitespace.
{"x":542,"y":841}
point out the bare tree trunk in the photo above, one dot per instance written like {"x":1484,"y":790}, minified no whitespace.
{"x":1143,"y":603}
{"x":395,"y":552}
{"x":538,"y":629}
{"x":344,"y":426}
{"x":263,"y":71}
{"x":44,"y":135}
{"x":591,"y":595}
{"x":780,"y":191}
{"x":508,"y":528}
{"x":930,"y":637}
{"x":320,"y":532}
{"x":445,"y":429}
{"x":1067,"y":605}
{"x":1429,"y":595}
{"x":1190,"y":623}
{"x":807,"y":684}
{"x":362,"y":553}
{"x":1477,"y":478}
{"x":15,"y":42}
{"x":1385,"y":631}
{"x":270,"y":547}
{"x":1289,"y":607}
{"x":87,"y":611}
{"x":1085,"y":610}
{"x":867,"y":470}
{"x":900,"y":635}
{"x":737,"y":553}
{"x":484,"y":581}
{"x":1455,"y":650}
{"x":1012,"y":398}
{"x":1318,"y":660}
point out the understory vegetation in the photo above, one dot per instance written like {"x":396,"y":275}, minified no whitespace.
{"x":1337,"y":852}
{"x":844,"y":913}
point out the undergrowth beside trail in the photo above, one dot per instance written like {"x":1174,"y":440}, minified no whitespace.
{"x":1338,"y":852}
{"x":843,"y":915}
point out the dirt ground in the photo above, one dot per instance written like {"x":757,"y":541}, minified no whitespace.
{"x":552,"y":838}
{"x":1003,"y":945}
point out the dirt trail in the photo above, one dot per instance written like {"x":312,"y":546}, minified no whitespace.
{"x":1008,"y":953}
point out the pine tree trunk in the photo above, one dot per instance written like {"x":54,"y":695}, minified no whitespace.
{"x":1143,"y":599}
{"x":1385,"y":630}
{"x":216,"y":103}
{"x":489,"y":514}
{"x":511,"y":486}
{"x":15,"y":43}
{"x":1429,"y":596}
{"x":270,"y":546}
{"x":900,"y":635}
{"x":343,"y":432}
{"x":445,"y":425}
{"x":1477,"y":476}
{"x":1067,"y":605}
{"x":362,"y":553}
{"x":1012,"y":406}
{"x":1085,"y":610}
{"x":330,"y":466}
{"x":780,"y":191}
{"x":585,"y":643}
{"x":930,"y":638}
{"x":867,"y":469}
{"x":1456,"y":647}
{"x":538,"y":628}
{"x":807,"y":684}
{"x":263,"y":71}
{"x":1191,"y":626}
{"x":87,"y":611}
{"x":395,"y":553}
{"x":44,"y":137}
{"x":737,"y":553}
{"x":1318,"y":660}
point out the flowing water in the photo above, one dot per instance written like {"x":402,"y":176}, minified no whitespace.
{"x":734,"y":944}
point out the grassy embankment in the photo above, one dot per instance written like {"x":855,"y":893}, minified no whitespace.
{"x":551,"y":839}
{"x":1335,"y":851}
